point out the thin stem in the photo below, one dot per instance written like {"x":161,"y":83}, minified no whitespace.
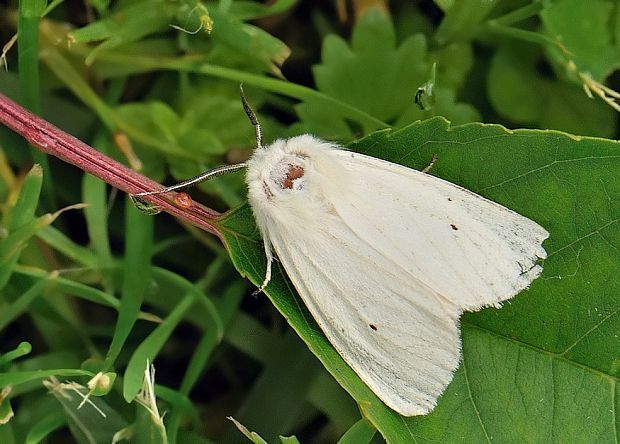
{"x":519,"y":14}
{"x":528,"y":36}
{"x":56,"y":142}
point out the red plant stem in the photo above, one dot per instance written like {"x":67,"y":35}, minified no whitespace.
{"x":56,"y":142}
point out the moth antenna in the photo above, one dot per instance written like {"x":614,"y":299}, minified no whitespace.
{"x":224,"y":169}
{"x":250,"y":113}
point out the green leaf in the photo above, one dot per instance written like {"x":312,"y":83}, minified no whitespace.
{"x":149,"y":348}
{"x":149,"y":425}
{"x":242,"y":41}
{"x":377,"y":76}
{"x":19,"y":215}
{"x":18,"y":306}
{"x":445,"y":5}
{"x":94,"y":422}
{"x":217,"y":112}
{"x":453,"y":63}
{"x":587,"y":31}
{"x":518,"y":92}
{"x":360,"y":432}
{"x":253,"y":339}
{"x":30,"y":12}
{"x":20,"y":377}
{"x":525,"y":376}
{"x":252,"y":10}
{"x":136,"y":277}
{"x":94,"y":192}
{"x":63,"y":244}
{"x":39,"y":431}
{"x":228,"y":310}
{"x":85,"y":292}
{"x":153,"y":121}
{"x":148,"y":429}
{"x":24,"y":209}
{"x":286,"y":378}
{"x":7,"y":435}
{"x":462,"y":19}
{"x":367,"y":73}
{"x":12,"y":245}
{"x":128,"y":24}
{"x":207,"y":128}
{"x":252,"y":436}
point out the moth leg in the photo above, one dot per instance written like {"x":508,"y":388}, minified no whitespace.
{"x":269,"y":255}
{"x":430,"y":165}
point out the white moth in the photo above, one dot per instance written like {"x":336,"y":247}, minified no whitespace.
{"x":386,"y":258}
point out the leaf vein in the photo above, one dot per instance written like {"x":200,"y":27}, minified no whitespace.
{"x":553,"y":355}
{"x":544,"y":167}
{"x":579,"y":239}
{"x":473,"y":403}
{"x":590,"y":331}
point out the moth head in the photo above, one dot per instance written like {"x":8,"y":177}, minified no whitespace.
{"x":284,"y":168}
{"x":289,"y":175}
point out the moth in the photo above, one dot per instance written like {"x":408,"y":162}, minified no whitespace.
{"x":386,"y":258}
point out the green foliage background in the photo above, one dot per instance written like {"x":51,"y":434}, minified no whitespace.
{"x":108,"y":289}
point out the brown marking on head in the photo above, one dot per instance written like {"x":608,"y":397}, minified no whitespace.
{"x":183,"y":200}
{"x":294,"y":172}
{"x":454,"y":227}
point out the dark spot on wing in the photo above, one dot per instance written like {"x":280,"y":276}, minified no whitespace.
{"x":449,"y":199}
{"x":373,"y":327}
{"x":454,"y":227}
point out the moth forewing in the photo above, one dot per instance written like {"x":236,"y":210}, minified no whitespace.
{"x":386,"y":258}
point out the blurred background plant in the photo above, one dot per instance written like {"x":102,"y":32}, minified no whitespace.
{"x":154,"y":84}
